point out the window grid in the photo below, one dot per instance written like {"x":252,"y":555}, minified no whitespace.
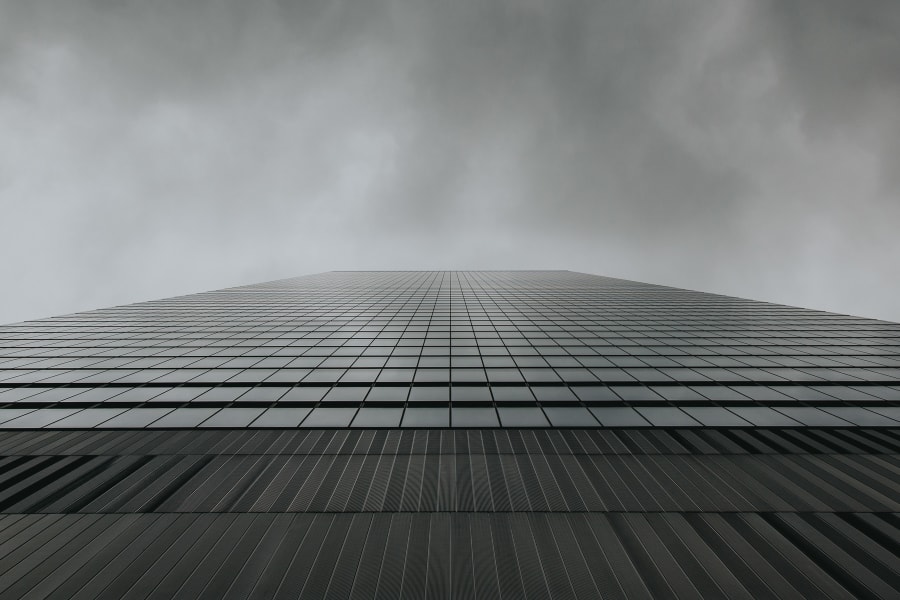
{"x":516,"y":348}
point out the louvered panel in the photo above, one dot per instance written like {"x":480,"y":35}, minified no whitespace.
{"x":852,"y":572}
{"x":391,"y":576}
{"x":630,"y":555}
{"x":537,"y":500}
{"x":553,"y":564}
{"x":411,"y":483}
{"x":614,"y":572}
{"x":509,"y":576}
{"x":85,"y":487}
{"x":357,"y":491}
{"x":305,"y":489}
{"x":326,"y":559}
{"x":511,"y":480}
{"x":426,"y":481}
{"x":245,"y":577}
{"x":555,"y":485}
{"x":303,"y":556}
{"x":414,"y":568}
{"x":337,"y":483}
{"x":800,"y":569}
{"x":462,"y":580}
{"x":393,"y":494}
{"x":168,"y":483}
{"x":372,"y":556}
{"x":538,"y":442}
{"x":381,"y":477}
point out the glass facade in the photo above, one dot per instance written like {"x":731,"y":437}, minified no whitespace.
{"x":438,"y":344}
{"x":450,"y":434}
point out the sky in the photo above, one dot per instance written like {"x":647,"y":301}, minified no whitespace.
{"x":156,"y":148}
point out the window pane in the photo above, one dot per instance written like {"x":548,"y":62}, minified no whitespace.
{"x":570,"y":416}
{"x":180,"y":394}
{"x":469,"y":416}
{"x":666,"y":416}
{"x":8,"y":414}
{"x":812,"y":416}
{"x":88,"y":418}
{"x":595,"y":393}
{"x":636,"y":393}
{"x":233,"y":417}
{"x":41,"y":418}
{"x":522,"y":416}
{"x":891,"y":412}
{"x":264,"y":394}
{"x":357,"y":375}
{"x":388,"y":394}
{"x":304,"y":394}
{"x":429,"y":394}
{"x":288,"y":376}
{"x":185,"y":417}
{"x":468,"y":376}
{"x":329,"y":417}
{"x":619,"y":416}
{"x":223,"y":394}
{"x":860,"y":416}
{"x":678,"y":393}
{"x":426,"y":417}
{"x":504,"y":376}
{"x":715,"y":416}
{"x":346,"y":394}
{"x":475,"y":393}
{"x":396,"y":375}
{"x":762,"y":416}
{"x":116,"y":394}
{"x":554,"y":394}
{"x":281,"y":417}
{"x":378,"y":417}
{"x":512,"y":394}
{"x":136,"y":417}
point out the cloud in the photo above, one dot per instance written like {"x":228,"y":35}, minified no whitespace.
{"x":158,"y":148}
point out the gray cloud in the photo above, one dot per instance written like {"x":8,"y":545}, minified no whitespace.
{"x":159,"y":148}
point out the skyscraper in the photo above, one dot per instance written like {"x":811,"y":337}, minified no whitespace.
{"x":533,"y":434}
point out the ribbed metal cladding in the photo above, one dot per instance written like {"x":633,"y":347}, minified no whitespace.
{"x":362,"y":472}
{"x":452,"y":514}
{"x":450,"y":435}
{"x":450,"y":555}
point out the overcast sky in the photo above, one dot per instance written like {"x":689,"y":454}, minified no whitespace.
{"x":156,"y":148}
